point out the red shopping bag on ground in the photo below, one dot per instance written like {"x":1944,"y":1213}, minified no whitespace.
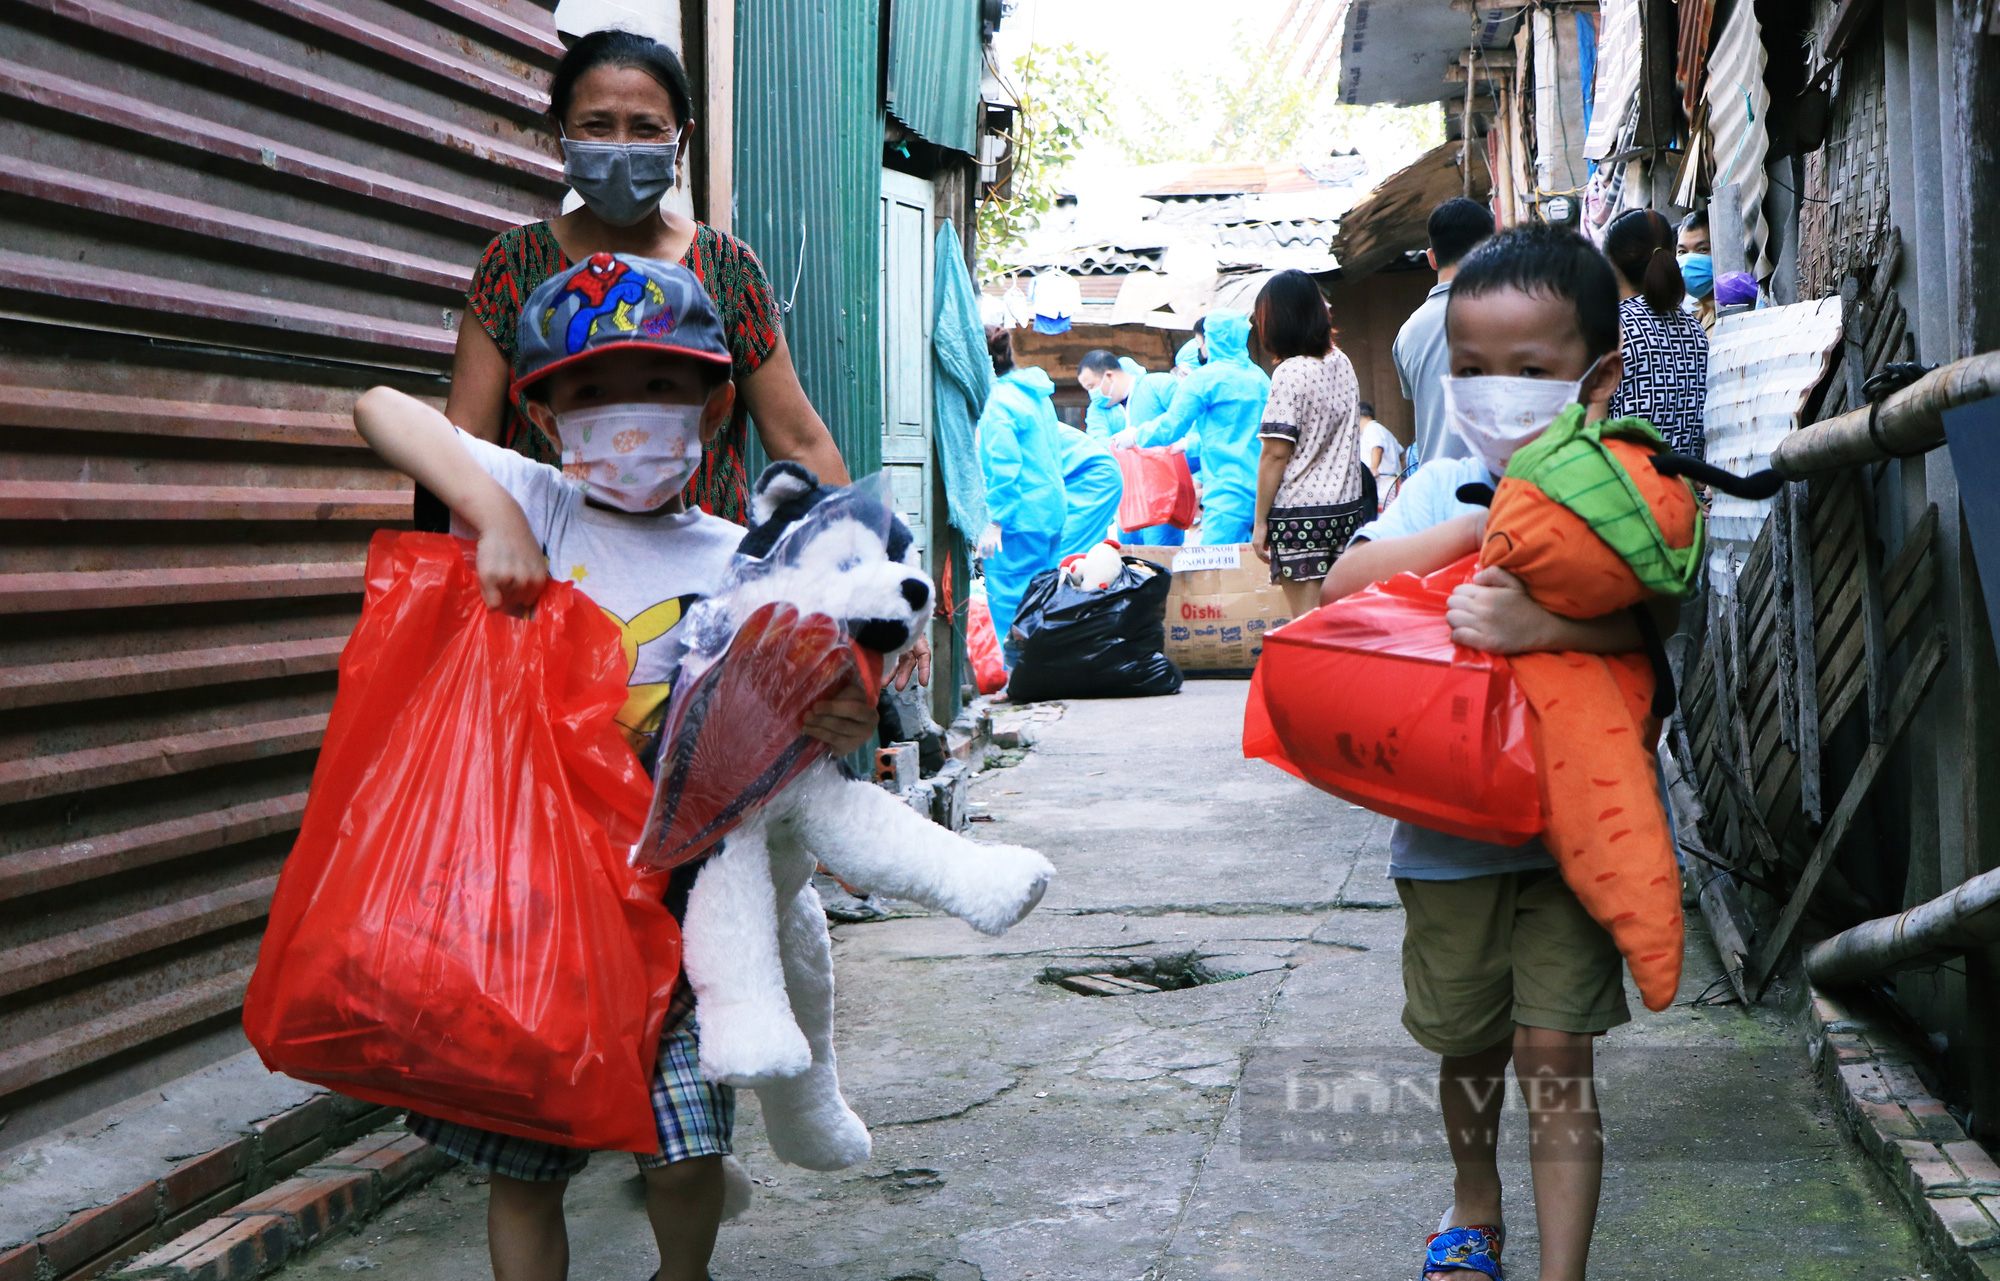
{"x":1159,"y":489}
{"x":982,"y":647}
{"x":1369,"y":699}
{"x":456,"y":930}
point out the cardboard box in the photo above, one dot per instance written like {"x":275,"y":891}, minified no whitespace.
{"x":1221,"y":604}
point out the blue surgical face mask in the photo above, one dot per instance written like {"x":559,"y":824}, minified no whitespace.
{"x":1698,"y":271}
{"x":620,"y":182}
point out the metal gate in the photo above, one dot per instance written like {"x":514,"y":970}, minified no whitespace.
{"x":218,"y":222}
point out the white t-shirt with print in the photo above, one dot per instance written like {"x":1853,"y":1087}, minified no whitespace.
{"x":645,"y":572}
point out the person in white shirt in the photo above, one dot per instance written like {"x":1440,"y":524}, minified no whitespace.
{"x":1382,"y":454}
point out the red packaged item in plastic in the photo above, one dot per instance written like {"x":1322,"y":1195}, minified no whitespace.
{"x":734,"y":733}
{"x":1159,"y":489}
{"x":457,"y":930}
{"x":1369,"y":699}
{"x":982,"y":648}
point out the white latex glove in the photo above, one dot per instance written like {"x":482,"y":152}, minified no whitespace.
{"x":1126,"y":439}
{"x":1178,"y":446}
{"x":989,"y":542}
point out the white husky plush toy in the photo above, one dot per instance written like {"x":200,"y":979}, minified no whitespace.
{"x":755,"y":939}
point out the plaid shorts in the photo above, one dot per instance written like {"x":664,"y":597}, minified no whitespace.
{"x":695,"y":1116}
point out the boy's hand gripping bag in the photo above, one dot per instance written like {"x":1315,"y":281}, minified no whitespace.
{"x":1159,"y":488}
{"x":457,"y":930}
{"x":1369,"y":699}
{"x":734,"y":732}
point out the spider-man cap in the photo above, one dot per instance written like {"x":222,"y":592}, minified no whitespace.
{"x":615,"y":300}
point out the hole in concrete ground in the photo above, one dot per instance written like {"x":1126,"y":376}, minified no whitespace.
{"x":1142,"y":975}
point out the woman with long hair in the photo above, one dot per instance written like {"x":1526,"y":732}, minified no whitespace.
{"x":1312,"y":490}
{"x":1665,"y":347}
{"x":621,"y":105}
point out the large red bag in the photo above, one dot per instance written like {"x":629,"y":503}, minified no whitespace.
{"x":1159,"y":489}
{"x":456,"y":930}
{"x":1369,"y":699}
{"x":982,"y":647}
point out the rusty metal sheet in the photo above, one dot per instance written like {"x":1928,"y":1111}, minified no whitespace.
{"x":1691,"y":54}
{"x":220,"y":220}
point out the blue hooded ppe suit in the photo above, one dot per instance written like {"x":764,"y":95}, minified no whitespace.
{"x":1147,"y":400}
{"x":1223,"y":401}
{"x":1189,"y":356}
{"x":1103,"y":418}
{"x":1092,"y":485}
{"x":1020,"y":456}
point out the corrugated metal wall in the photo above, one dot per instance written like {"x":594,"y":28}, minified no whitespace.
{"x":808,"y":172}
{"x":934,"y":65}
{"x":218,"y":221}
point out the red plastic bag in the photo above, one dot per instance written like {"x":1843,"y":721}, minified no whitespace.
{"x":1159,"y":489}
{"x":1368,"y":699}
{"x":982,"y":647}
{"x":734,"y":733}
{"x":456,"y":930}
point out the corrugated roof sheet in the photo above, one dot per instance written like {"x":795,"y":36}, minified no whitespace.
{"x":1737,"y":103}
{"x":934,"y":65}
{"x":1761,"y":367}
{"x":1395,"y":217}
{"x":1239,"y":179}
{"x":1396,"y":51}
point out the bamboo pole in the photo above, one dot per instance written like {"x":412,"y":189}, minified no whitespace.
{"x":1911,"y":421}
{"x":1966,"y":918}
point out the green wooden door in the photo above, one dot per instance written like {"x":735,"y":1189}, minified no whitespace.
{"x":906,"y":353}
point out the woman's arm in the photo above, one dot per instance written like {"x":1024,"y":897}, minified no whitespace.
{"x":418,"y":441}
{"x":1270,"y":474}
{"x":787,"y":425}
{"x":477,"y":401}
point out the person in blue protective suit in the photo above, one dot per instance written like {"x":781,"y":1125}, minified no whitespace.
{"x":1122,"y":393}
{"x":1092,"y":486}
{"x":1020,"y":456}
{"x":1109,"y":379}
{"x":1223,"y":401}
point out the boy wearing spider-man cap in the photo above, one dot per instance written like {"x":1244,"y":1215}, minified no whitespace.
{"x":623,"y":360}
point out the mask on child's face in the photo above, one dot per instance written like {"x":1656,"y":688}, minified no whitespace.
{"x":1497,"y":415}
{"x":634,"y":457}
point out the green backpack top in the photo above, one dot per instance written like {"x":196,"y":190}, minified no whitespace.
{"x":1570,"y":464}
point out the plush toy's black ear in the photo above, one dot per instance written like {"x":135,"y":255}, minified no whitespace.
{"x":1476,"y":494}
{"x":780,"y":483}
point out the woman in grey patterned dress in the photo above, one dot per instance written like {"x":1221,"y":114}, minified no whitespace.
{"x":1312,"y":491}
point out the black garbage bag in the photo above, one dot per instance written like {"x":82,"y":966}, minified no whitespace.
{"x":1074,"y":643}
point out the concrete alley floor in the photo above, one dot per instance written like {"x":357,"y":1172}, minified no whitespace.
{"x":1026,"y":1131}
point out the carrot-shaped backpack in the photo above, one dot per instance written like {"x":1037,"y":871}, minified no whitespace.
{"x":1595,"y":518}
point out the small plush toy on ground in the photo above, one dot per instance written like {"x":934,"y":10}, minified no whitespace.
{"x":825,"y":587}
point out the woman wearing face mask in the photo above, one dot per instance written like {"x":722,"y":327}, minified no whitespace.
{"x":1665,"y":348}
{"x":620,"y":102}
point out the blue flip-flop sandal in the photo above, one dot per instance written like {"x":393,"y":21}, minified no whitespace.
{"x":1468,"y":1249}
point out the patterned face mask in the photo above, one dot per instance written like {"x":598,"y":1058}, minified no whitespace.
{"x":633,"y":457}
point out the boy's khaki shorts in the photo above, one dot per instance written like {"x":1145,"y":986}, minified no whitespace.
{"x":1487,"y":952}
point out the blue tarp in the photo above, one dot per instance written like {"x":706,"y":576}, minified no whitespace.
{"x":964,"y":380}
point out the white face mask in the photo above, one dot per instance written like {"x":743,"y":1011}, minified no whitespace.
{"x":633,"y":457}
{"x":1496,"y":415}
